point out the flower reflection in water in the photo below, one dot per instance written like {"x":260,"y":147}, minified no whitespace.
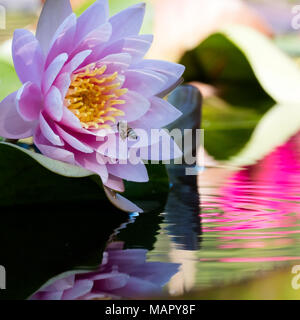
{"x":257,"y":209}
{"x":122,"y":274}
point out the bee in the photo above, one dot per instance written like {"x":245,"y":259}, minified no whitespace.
{"x":125,"y":131}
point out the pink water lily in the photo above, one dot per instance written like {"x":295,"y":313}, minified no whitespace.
{"x":81,"y":77}
{"x":122,"y":274}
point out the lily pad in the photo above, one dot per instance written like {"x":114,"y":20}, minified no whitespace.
{"x":239,"y":55}
{"x":251,"y":74}
{"x":274,"y":129}
{"x":27,"y":178}
{"x":55,"y":166}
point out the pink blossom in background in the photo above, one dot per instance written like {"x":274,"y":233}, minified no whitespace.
{"x":181,"y":25}
{"x":80,"y":78}
{"x":122,"y":274}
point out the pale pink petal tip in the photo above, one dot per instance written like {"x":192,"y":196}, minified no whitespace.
{"x":121,"y":202}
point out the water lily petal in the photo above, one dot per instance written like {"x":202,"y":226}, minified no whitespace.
{"x":172,"y":71}
{"x":94,"y":296}
{"x":96,"y":276}
{"x":129,"y":172}
{"x":96,"y":15}
{"x":92,"y":162}
{"x":146,"y":82}
{"x":28,"y":57}
{"x":63,"y":39}
{"x":70,"y":120}
{"x":137,"y":46}
{"x":53,"y":15}
{"x":115,"y":281}
{"x":53,"y":296}
{"x":169,"y":88}
{"x":111,"y":147}
{"x":120,"y":202}
{"x":54,"y":104}
{"x":72,"y":141}
{"x":52,"y":71}
{"x":118,"y":62}
{"x":127,"y":22}
{"x":160,"y":114}
{"x":75,"y":62}
{"x":138,"y":288}
{"x":169,"y":69}
{"x":29,"y":101}
{"x":61,"y":284}
{"x":81,"y":288}
{"x":115,"y":183}
{"x":63,"y":82}
{"x":12,"y":126}
{"x":135,"y":106}
{"x":115,"y":148}
{"x":51,"y":151}
{"x":95,"y":40}
{"x":164,"y":149}
{"x":48,"y":132}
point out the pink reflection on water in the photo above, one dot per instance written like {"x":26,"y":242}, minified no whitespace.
{"x":260,"y":259}
{"x":255,"y":259}
{"x":255,"y":244}
{"x":256,"y":199}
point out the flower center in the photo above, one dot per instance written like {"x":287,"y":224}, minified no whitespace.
{"x":93,"y":97}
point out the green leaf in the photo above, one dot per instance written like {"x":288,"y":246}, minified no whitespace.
{"x":277,"y":73}
{"x":29,"y":178}
{"x":250,"y":74}
{"x":238,"y":55}
{"x":274,"y":129}
{"x":55,"y":166}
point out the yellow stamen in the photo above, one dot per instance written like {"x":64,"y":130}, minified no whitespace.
{"x":93,"y":97}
